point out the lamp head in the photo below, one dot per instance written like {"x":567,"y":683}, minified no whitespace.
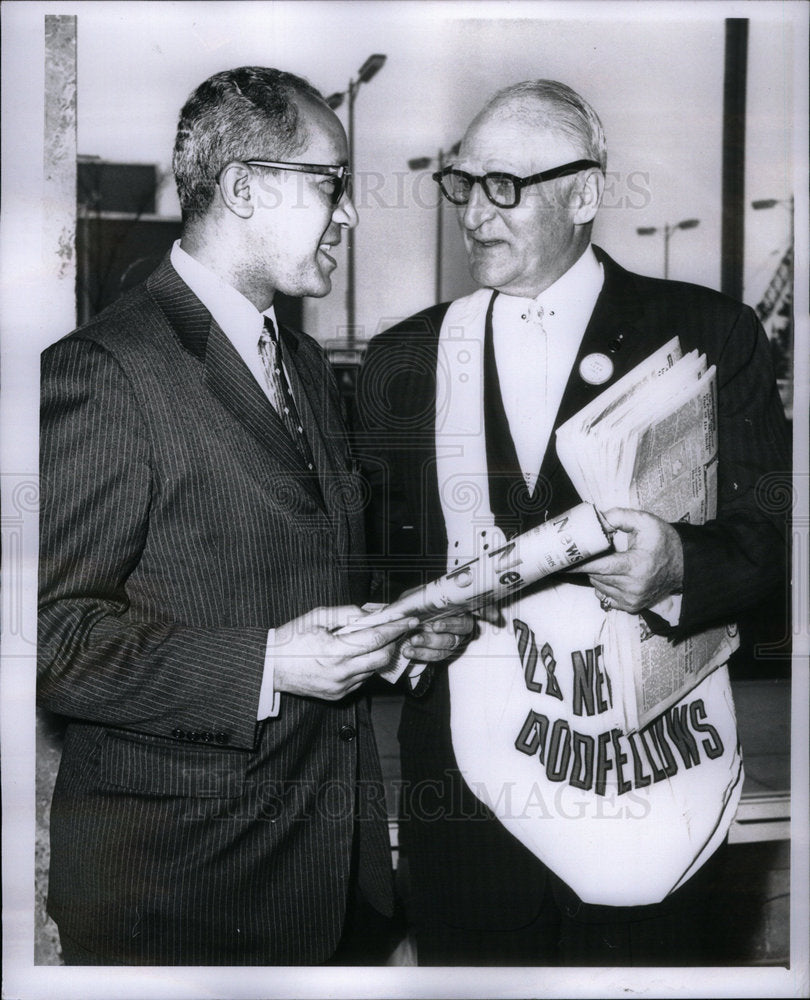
{"x":371,"y":67}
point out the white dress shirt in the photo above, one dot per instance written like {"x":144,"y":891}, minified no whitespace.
{"x":536,"y":343}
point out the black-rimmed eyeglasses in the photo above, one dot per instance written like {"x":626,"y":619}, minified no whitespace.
{"x":502,"y":189}
{"x":341,"y":174}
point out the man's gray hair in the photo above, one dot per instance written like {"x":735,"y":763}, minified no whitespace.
{"x":564,"y":110}
{"x":238,"y":114}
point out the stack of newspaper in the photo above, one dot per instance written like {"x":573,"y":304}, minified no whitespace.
{"x":650,"y":442}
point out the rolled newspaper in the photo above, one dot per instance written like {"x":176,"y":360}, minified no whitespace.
{"x":563,"y":541}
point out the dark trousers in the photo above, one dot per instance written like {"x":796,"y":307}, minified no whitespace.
{"x":683,"y":930}
{"x":368,"y":937}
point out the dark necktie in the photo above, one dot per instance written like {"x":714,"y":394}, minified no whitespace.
{"x":278,"y":388}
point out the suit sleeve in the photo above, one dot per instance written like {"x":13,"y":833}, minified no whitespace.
{"x":98,"y":660}
{"x":741,"y":558}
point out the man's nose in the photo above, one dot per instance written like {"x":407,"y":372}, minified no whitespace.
{"x":478,"y":209}
{"x":345,"y":213}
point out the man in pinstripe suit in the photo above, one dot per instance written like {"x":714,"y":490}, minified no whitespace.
{"x":219,"y":799}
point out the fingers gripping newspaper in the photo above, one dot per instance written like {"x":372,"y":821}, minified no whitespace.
{"x":650,"y":443}
{"x":561,"y":542}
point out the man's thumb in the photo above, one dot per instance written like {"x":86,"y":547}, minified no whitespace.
{"x":623,"y":518}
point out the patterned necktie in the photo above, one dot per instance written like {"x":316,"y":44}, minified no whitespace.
{"x":279,"y":390}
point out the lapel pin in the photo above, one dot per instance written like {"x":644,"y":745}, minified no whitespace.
{"x":595,"y":369}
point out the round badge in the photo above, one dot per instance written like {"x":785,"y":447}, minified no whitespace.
{"x":595,"y":369}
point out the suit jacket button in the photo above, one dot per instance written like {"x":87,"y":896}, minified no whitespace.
{"x":222,"y":738}
{"x":347,"y":733}
{"x":178,"y":734}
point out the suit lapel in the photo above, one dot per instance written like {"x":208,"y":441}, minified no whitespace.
{"x":311,"y":391}
{"x":614,"y":330}
{"x":318,"y":407}
{"x":227,"y":376}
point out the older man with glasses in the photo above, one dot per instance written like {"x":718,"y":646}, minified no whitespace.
{"x":219,"y":799}
{"x":459,"y":405}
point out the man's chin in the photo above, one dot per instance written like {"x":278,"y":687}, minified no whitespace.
{"x":314,"y":290}
{"x":322,"y":292}
{"x":485,"y":276}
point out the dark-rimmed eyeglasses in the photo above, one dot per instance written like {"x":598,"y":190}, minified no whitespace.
{"x":503,"y":190}
{"x":341,"y":174}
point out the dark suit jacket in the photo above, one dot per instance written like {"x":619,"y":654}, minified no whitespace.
{"x":729,"y":564}
{"x":178,"y":524}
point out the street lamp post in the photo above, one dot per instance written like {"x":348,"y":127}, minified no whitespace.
{"x":422,"y":163}
{"x":369,"y":69}
{"x":667,"y":230}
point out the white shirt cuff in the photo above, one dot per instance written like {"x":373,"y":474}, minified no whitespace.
{"x":269,"y":698}
{"x":669,"y":608}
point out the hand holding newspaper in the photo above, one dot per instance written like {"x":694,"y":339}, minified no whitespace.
{"x":650,"y":442}
{"x":563,"y":541}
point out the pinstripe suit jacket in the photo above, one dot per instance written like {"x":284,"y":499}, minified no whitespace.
{"x":475,"y":874}
{"x":178,"y":524}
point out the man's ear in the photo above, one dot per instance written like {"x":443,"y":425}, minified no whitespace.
{"x":235,"y":190}
{"x":587,"y":196}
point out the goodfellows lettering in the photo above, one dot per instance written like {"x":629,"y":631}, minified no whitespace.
{"x":610,"y":761}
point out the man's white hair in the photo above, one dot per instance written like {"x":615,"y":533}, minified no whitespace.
{"x":551,"y":104}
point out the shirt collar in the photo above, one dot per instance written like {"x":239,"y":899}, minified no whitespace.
{"x":570,"y":299}
{"x":239,"y":319}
